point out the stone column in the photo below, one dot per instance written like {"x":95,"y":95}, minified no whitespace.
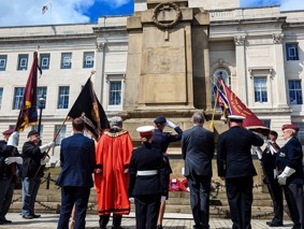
{"x":241,"y":73}
{"x":279,"y":88}
{"x":99,"y":75}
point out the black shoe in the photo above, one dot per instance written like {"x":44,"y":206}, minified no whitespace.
{"x":159,"y":226}
{"x":271,"y":224}
{"x":36,"y":216}
{"x":5,"y":221}
{"x":27,"y":217}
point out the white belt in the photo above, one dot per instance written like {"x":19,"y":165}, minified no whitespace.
{"x":146,"y":172}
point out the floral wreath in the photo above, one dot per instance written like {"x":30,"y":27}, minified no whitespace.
{"x":172,"y":23}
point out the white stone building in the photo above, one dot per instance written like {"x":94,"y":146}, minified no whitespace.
{"x":257,"y":51}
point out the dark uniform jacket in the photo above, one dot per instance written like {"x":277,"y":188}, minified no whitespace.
{"x":291,"y":155}
{"x":198,"y":151}
{"x":269,"y":162}
{"x":162,"y":140}
{"x":234,"y":152}
{"x":146,"y":158}
{"x":6,"y":151}
{"x":32,"y":155}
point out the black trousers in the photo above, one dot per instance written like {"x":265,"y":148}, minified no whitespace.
{"x":199,"y":199}
{"x":104,"y":219}
{"x":276,"y":194}
{"x":239,"y":193}
{"x":295,"y":201}
{"x":146,"y":211}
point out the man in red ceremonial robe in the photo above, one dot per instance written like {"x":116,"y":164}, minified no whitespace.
{"x":113,"y":154}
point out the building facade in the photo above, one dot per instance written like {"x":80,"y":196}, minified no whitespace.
{"x":258,"y":52}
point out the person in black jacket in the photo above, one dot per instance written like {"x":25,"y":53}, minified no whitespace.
{"x":291,"y":177}
{"x":268,"y":162}
{"x":198,"y":151}
{"x":162,"y":140}
{"x":33,"y":157}
{"x":235,"y":165}
{"x":147,"y":184}
{"x":9,"y":158}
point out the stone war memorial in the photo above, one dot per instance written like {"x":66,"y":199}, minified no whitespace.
{"x":168,"y":73}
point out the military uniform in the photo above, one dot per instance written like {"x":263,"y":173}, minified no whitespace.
{"x":269,"y":166}
{"x":147,"y":184}
{"x":291,"y":155}
{"x":235,"y":164}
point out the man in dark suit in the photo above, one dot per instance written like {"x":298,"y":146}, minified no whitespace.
{"x":77,"y":157}
{"x":198,"y":151}
{"x":269,"y":168}
{"x":235,"y":165}
{"x":291,"y":177}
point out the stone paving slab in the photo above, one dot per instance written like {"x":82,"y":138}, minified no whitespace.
{"x":171,"y":221}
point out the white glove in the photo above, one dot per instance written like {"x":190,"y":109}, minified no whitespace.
{"x":45,"y":160}
{"x":13,"y":140}
{"x":163,"y":198}
{"x":286,"y":173}
{"x":46,"y":146}
{"x":131,"y":199}
{"x":11,"y":160}
{"x":170,"y":124}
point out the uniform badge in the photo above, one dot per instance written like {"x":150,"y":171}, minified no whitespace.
{"x":282,"y":154}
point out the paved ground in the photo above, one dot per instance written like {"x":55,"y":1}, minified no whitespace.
{"x":172,"y":221}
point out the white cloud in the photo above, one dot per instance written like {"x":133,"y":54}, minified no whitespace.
{"x":115,"y":3}
{"x":292,"y":5}
{"x":29,"y":12}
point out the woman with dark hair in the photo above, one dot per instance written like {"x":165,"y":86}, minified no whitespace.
{"x":147,"y":184}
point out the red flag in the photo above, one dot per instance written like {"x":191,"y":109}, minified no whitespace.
{"x":28,"y":110}
{"x":237,"y":107}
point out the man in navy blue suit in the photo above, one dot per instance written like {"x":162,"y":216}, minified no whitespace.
{"x":77,"y":156}
{"x":290,"y":170}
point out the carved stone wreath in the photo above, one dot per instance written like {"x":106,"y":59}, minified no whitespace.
{"x":160,"y":7}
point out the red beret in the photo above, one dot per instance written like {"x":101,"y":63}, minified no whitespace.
{"x":290,"y":126}
{"x":8,"y":132}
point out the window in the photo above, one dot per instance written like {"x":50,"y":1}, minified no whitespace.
{"x":88,"y":59}
{"x":41,"y":93}
{"x":3,"y":60}
{"x":63,"y":98}
{"x":292,"y":51}
{"x":115,"y":93}
{"x":266,"y":122}
{"x":260,"y":89}
{"x":1,"y":94}
{"x":295,"y":92}
{"x":18,"y":98}
{"x":45,"y":61}
{"x":22,"y":62}
{"x":66,"y":60}
{"x":61,"y":135}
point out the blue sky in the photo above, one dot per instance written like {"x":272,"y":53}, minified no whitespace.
{"x":29,"y":12}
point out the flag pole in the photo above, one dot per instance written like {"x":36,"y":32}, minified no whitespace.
{"x":211,"y":126}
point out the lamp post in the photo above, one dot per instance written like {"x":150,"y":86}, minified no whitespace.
{"x":41,"y":106}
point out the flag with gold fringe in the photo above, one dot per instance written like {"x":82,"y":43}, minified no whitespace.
{"x":28,"y":111}
{"x":89,"y":108}
{"x":234,"y":106}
